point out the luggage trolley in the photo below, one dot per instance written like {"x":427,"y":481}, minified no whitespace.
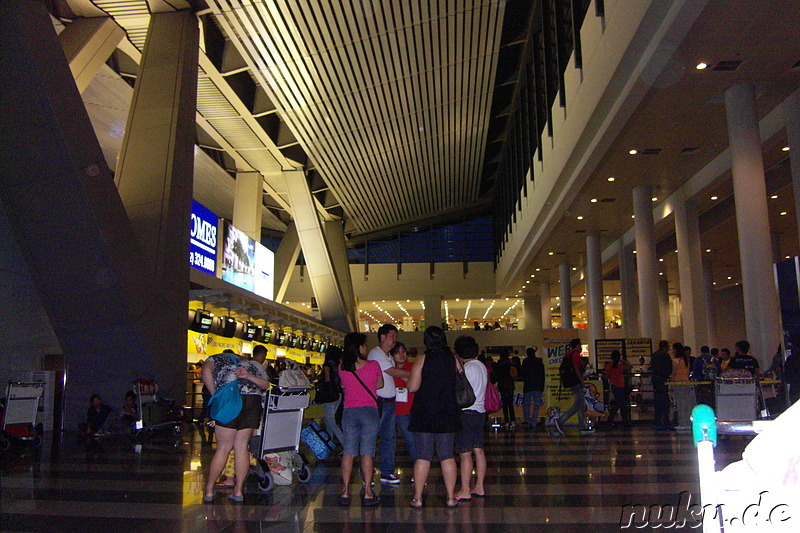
{"x":154,"y":412}
{"x":280,"y":432}
{"x":736,"y":404}
{"x":20,"y":412}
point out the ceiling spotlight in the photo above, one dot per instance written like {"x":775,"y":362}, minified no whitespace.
{"x":579,"y":217}
{"x":661,"y":259}
{"x":633,"y":216}
{"x":654,"y":199}
{"x":593,"y":200}
{"x":538,"y":269}
{"x":701,"y":66}
{"x":708,"y":250}
{"x":574,"y":268}
{"x":549,"y":253}
{"x":660,"y":273}
{"x":633,"y":152}
{"x":714,"y":197}
{"x":611,"y":178}
{"x":785,"y":149}
{"x":783,"y":213}
{"x":729,"y":277}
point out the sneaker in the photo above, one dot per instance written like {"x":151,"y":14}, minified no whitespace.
{"x":390,"y":478}
{"x":557,"y":424}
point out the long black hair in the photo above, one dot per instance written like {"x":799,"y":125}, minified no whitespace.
{"x":680,"y":352}
{"x":435,"y":340}
{"x":615,"y":357}
{"x":333,"y":355}
{"x":352,"y":342}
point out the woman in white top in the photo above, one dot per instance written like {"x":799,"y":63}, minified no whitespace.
{"x":469,"y":440}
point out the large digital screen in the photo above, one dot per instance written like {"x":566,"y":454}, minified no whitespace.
{"x":203,"y":239}
{"x":238,"y":258}
{"x":264,"y":272}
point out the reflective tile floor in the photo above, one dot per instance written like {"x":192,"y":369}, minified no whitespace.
{"x":535,"y":482}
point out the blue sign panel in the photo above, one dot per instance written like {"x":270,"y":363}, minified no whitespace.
{"x":203,"y":239}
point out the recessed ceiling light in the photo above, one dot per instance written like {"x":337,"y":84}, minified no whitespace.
{"x":611,"y":178}
{"x":785,"y":149}
{"x":574,"y":268}
{"x":702,"y":66}
{"x":660,"y":273}
{"x":593,"y":200}
{"x":633,"y":152}
{"x":538,"y":269}
{"x":655,"y":199}
{"x":714,"y":283}
{"x":714,"y":198}
{"x":661,"y":259}
{"x":633,"y":216}
{"x":580,"y":218}
{"x":729,"y":277}
{"x":774,"y":197}
{"x":783,"y":213}
{"x":788,"y":257}
{"x":549,"y":253}
{"x":634,"y":251}
{"x":708,"y":250}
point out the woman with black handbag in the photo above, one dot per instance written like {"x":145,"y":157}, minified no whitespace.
{"x":435,"y":415}
{"x":360,"y":380}
{"x":328,"y":391}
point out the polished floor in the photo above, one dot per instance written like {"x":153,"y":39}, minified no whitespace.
{"x":535,"y":482}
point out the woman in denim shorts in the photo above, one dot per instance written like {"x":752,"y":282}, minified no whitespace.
{"x":360,"y":381}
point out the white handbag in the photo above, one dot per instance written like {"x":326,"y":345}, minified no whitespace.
{"x":293,"y":378}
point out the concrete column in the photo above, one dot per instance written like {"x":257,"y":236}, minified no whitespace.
{"x":792,"y":109}
{"x":87,"y":44}
{"x":627,"y":284}
{"x":762,"y":312}
{"x":595,"y":314}
{"x":285,"y":259}
{"x":566,"y":295}
{"x":334,"y":234}
{"x":433,"y":311}
{"x":711,"y":309}
{"x":532,"y":312}
{"x":647,"y":275}
{"x":546,"y":304}
{"x":663,"y":305}
{"x":247,"y":204}
{"x":321,"y":272}
{"x":155,"y":175}
{"x":694,"y":310}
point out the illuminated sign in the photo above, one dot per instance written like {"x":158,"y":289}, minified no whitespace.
{"x":203,"y":239}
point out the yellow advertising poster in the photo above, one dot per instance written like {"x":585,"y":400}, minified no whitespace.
{"x":555,"y":343}
{"x":272,"y":352}
{"x":196,"y":347}
{"x":216,"y":344}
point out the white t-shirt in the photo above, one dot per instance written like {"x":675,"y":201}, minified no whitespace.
{"x":478,"y":377}
{"x":386,"y":362}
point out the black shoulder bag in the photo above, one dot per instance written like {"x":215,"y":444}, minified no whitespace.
{"x":378,"y":403}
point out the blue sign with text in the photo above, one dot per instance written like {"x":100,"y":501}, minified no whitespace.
{"x":203,"y":239}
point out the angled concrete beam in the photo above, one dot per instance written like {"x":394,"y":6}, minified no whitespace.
{"x":88,"y":43}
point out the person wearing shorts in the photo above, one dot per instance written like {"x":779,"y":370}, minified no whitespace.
{"x":219,"y":370}
{"x":435,"y":416}
{"x":360,"y":381}
{"x":469,"y":440}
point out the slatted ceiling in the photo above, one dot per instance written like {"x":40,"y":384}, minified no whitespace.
{"x":357,"y":85}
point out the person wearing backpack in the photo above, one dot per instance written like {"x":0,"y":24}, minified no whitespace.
{"x":571,"y":376}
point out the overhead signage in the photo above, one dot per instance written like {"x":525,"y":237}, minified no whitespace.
{"x":264,"y":274}
{"x":203,"y":239}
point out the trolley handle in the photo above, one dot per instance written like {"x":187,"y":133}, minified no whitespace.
{"x":704,"y":425}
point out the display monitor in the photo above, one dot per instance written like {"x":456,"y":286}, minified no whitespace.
{"x":249,"y":331}
{"x":303,"y":343}
{"x":281,"y":338}
{"x":227,"y":326}
{"x":323,"y":346}
{"x":202,"y":321}
{"x":266,"y":335}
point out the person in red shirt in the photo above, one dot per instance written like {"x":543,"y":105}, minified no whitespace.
{"x":615,"y":373}
{"x":578,"y":394}
{"x":403,"y":400}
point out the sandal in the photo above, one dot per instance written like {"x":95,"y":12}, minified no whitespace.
{"x":344,"y":501}
{"x":451,"y":503}
{"x":371,"y":502}
{"x":416,"y":503}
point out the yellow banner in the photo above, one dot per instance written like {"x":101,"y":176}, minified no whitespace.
{"x":555,"y":343}
{"x":296,"y":355}
{"x":196,"y":347}
{"x":603,"y":349}
{"x":315,"y":358}
{"x":636,"y":348}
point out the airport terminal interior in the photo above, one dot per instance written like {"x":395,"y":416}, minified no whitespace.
{"x":521,"y":171}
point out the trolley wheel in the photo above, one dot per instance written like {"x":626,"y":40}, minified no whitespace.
{"x":266,"y":483}
{"x":304,"y":474}
{"x":36,"y":441}
{"x":177,"y":429}
{"x":5,"y":442}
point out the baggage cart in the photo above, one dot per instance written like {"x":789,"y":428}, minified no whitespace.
{"x":736,"y":402}
{"x":154,"y":412}
{"x":20,"y":412}
{"x":280,"y":434}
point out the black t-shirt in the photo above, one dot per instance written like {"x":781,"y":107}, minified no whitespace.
{"x":533,"y":374}
{"x":744,"y":362}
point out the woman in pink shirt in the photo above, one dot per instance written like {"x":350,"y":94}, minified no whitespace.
{"x":360,"y":381}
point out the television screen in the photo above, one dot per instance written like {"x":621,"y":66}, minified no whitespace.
{"x":303,"y":343}
{"x":314,"y":347}
{"x":323,"y":346}
{"x":250,"y":330}
{"x":267,"y":335}
{"x":202,"y":321}
{"x":281,"y":339}
{"x":228,"y":326}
